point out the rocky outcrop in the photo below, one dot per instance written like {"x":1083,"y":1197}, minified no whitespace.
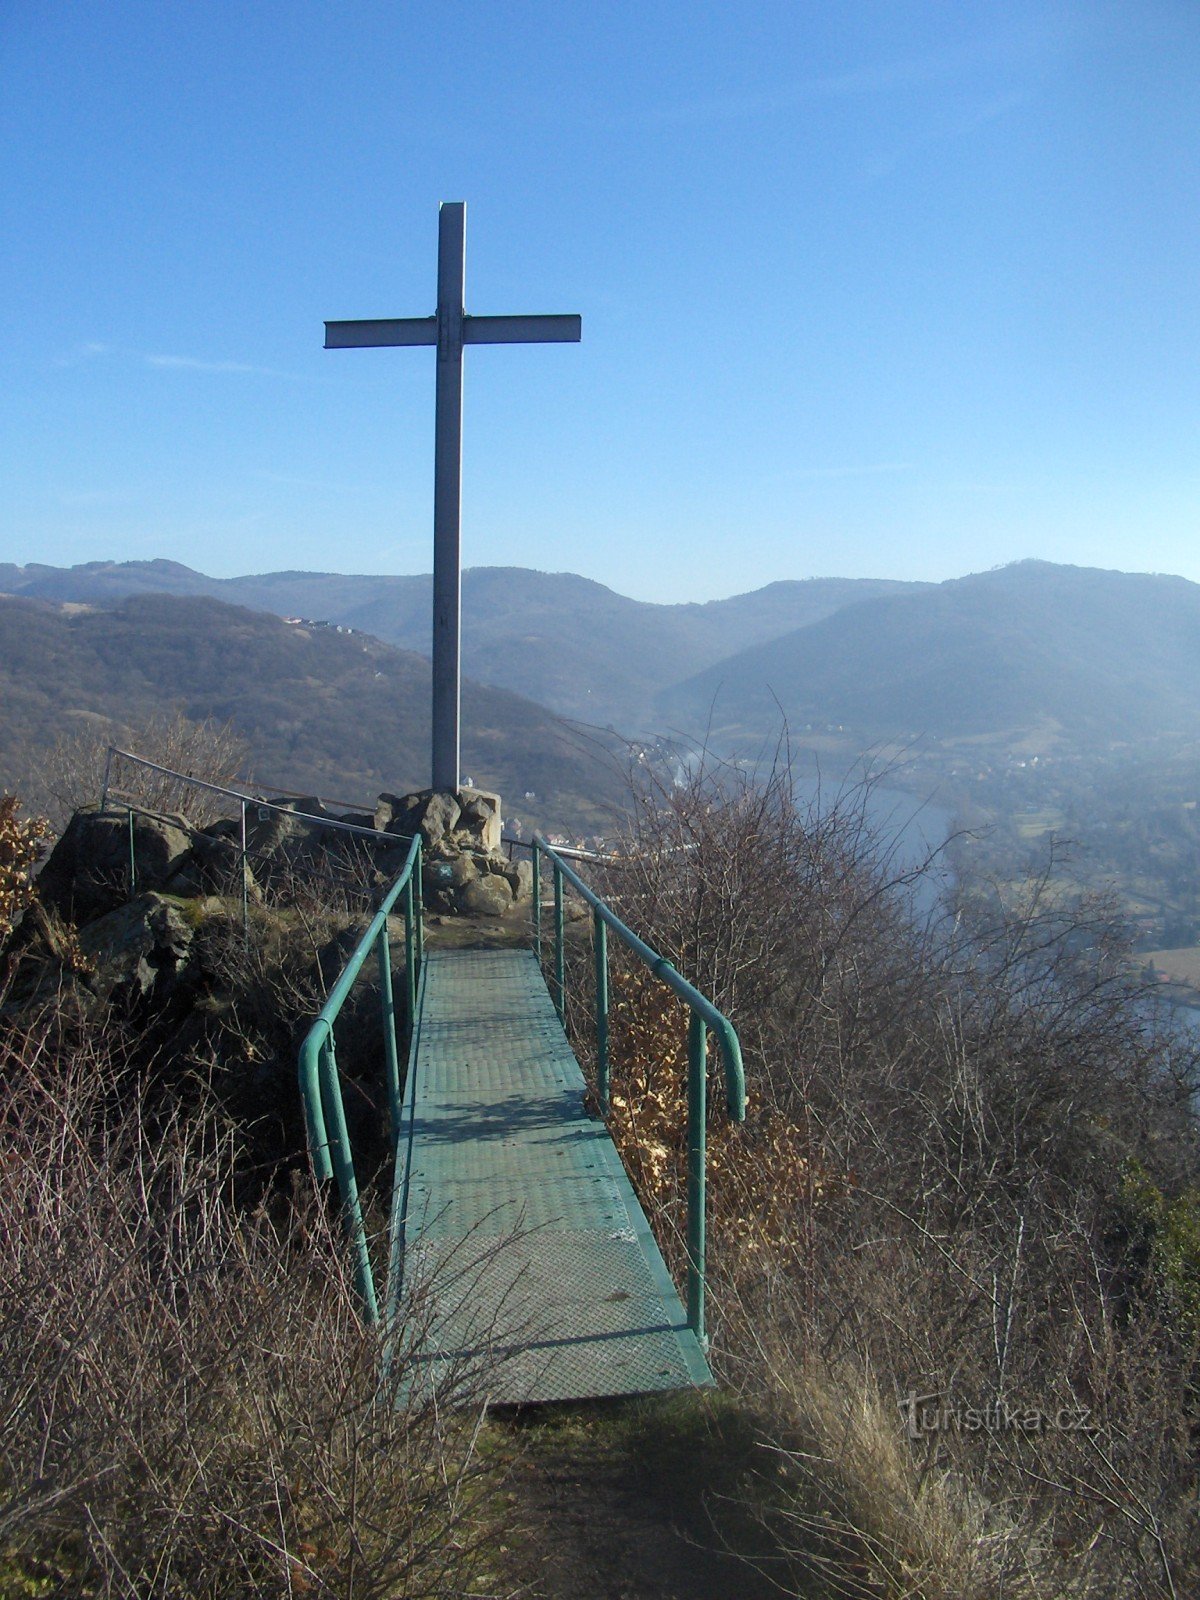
{"x":99,"y":862}
{"x":144,"y":948}
{"x":466,"y":871}
{"x":215,"y":866}
{"x":103,"y":860}
{"x":480,"y":818}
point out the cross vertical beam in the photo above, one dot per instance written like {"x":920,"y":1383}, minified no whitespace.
{"x":449,"y":329}
{"x":447,"y":496}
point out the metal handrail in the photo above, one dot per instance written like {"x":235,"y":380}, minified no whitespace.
{"x":703,"y":1016}
{"x":233,"y":794}
{"x":320,"y":1086}
{"x":569,"y":852}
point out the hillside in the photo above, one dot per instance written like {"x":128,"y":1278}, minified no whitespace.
{"x":567,"y":642}
{"x":1087,"y":656}
{"x":340,"y":712}
{"x":1103,"y":656}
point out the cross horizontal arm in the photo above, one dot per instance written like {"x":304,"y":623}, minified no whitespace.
{"x":522,"y":330}
{"x":384,"y":330}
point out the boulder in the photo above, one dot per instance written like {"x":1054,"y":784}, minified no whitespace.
{"x":464,"y":869}
{"x":438,"y":881}
{"x":480,"y":818}
{"x":270,"y":832}
{"x":391,"y":806}
{"x":432,"y":814}
{"x":387,"y":857}
{"x":225,"y":828}
{"x":219,"y":854}
{"x":214,"y":867}
{"x":88,"y":872}
{"x":356,"y":819}
{"x":307,"y":805}
{"x":142,"y":947}
{"x":436,"y":816}
{"x":488,"y":896}
{"x":520,"y":879}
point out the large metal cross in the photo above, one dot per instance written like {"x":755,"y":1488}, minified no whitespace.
{"x":450,"y":329}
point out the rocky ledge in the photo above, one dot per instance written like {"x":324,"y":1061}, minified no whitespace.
{"x":104,"y":857}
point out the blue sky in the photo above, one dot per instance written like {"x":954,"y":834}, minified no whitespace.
{"x":898,"y":289}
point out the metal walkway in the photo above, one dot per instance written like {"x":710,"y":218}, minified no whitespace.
{"x":519,"y":1248}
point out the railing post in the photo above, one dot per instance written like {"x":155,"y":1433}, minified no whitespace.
{"x":132,"y":859}
{"x":343,"y":1165}
{"x":600,"y":945}
{"x":696,"y":1149}
{"x":320,"y":1085}
{"x":245,"y":880}
{"x":388,"y":1008}
{"x":417,"y":874}
{"x":410,"y":953}
{"x":314,"y":1114}
{"x":560,"y":959}
{"x":537,"y":903}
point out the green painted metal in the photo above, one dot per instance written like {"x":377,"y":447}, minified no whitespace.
{"x":410,"y":956}
{"x":708,"y":1017}
{"x":560,"y":972}
{"x":320,"y":1087}
{"x":132,"y":859}
{"x":342,"y":1158}
{"x":537,"y":907}
{"x":697,"y":1123}
{"x":387,"y":1008}
{"x":600,"y":948}
{"x":521,"y":1257}
{"x":515,"y":1230}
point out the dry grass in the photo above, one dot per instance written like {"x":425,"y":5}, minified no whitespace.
{"x":870,"y":1520}
{"x":189,"y":1405}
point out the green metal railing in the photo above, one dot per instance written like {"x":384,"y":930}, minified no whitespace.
{"x":704,"y":1017}
{"x":320,"y":1086}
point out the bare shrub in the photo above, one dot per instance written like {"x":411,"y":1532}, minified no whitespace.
{"x":756,"y":1172}
{"x":189,"y":1404}
{"x":927,"y":1199}
{"x":322,"y":874}
{"x":69,"y":773}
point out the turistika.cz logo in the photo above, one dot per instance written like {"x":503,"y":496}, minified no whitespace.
{"x":937,"y":1413}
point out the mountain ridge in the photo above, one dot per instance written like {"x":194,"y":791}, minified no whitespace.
{"x":1090,"y":654}
{"x":1104,"y":654}
{"x":567,"y":642}
{"x":321,"y":709}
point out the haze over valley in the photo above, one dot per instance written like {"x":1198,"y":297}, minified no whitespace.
{"x":1032,"y":655}
{"x":1040,"y":705}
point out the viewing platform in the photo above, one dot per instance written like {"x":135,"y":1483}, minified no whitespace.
{"x":518,"y":1243}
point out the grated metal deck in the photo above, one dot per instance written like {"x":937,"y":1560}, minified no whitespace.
{"x":528,"y":1267}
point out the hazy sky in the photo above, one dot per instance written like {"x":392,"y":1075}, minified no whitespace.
{"x":898,"y":288}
